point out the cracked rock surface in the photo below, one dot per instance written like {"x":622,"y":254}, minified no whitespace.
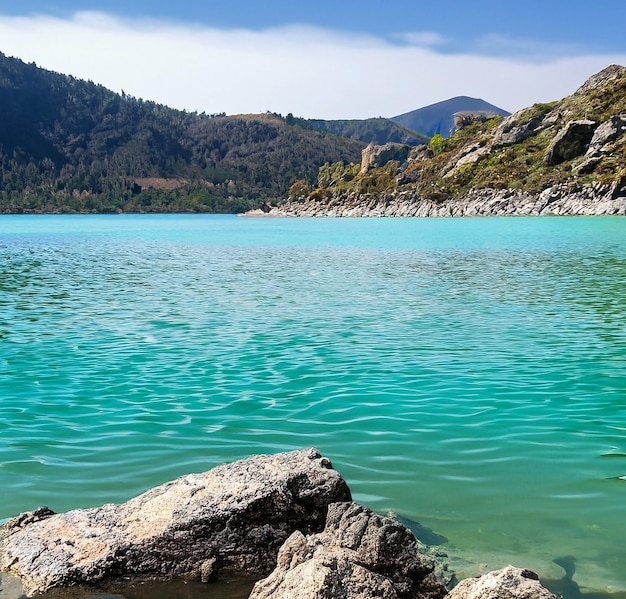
{"x":358,"y":555}
{"x":231,"y":519}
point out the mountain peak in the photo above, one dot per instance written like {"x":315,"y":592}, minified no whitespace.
{"x":601,"y":78}
{"x":440,"y":117}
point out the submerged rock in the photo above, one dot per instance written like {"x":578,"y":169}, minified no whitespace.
{"x":232,"y":519}
{"x":358,"y":555}
{"x":508,"y":583}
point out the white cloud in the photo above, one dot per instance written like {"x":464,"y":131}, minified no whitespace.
{"x":310,"y":72}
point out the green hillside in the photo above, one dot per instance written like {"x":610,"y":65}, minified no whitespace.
{"x":579,"y":141}
{"x":70,"y":145}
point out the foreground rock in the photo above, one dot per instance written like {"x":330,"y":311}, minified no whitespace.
{"x":508,"y":583}
{"x":232,"y":519}
{"x":358,"y":555}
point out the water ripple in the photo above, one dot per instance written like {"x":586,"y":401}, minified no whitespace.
{"x":466,"y":375}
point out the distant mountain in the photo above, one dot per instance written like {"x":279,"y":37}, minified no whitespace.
{"x":376,"y":130}
{"x":68,"y":145}
{"x":439,"y":117}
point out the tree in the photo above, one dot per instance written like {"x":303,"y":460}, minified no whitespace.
{"x":437,"y":143}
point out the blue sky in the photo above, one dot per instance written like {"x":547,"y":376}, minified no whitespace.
{"x":322,"y":59}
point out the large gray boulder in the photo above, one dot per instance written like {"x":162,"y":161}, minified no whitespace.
{"x":607,"y":133}
{"x":508,"y":583}
{"x":359,"y":555}
{"x":515,"y":129}
{"x":374,"y":156}
{"x":572,"y":141}
{"x":232,"y":519}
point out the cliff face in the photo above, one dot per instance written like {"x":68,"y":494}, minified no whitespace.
{"x":566,"y":157}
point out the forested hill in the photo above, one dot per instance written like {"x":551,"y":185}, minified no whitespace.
{"x":68,"y":145}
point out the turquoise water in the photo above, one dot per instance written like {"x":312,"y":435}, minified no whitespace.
{"x":467,"y":374}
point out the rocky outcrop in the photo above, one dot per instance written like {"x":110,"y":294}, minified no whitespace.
{"x":508,"y":583}
{"x":557,"y":200}
{"x":374,"y":156}
{"x":468,"y":155}
{"x":466,"y":118}
{"x":231,"y":519}
{"x":516,"y":128}
{"x":607,"y":133}
{"x":572,"y":141}
{"x":567,"y":155}
{"x":600,"y":79}
{"x":601,"y":143}
{"x":358,"y":555}
{"x":291,"y":512}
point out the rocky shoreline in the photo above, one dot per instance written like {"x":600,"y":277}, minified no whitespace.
{"x":568,"y":155}
{"x":598,"y":200}
{"x":288,"y":520}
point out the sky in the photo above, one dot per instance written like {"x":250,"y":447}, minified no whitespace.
{"x":328,"y":59}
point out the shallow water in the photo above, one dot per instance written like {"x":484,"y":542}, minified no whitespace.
{"x":467,"y":374}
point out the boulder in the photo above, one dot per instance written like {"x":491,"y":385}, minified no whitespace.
{"x":508,"y":583}
{"x":572,"y":141}
{"x":374,"y":156}
{"x":465,"y":118}
{"x":515,"y":129}
{"x":358,"y":555}
{"x":607,"y":133}
{"x":231,"y":519}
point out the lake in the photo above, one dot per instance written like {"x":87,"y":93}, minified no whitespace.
{"x":465,"y":374}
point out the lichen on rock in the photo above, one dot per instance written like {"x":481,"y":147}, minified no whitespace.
{"x":231,"y":519}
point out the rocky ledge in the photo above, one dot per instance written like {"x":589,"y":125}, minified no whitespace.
{"x":560,"y":200}
{"x":232,"y":519}
{"x":290,"y":513}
